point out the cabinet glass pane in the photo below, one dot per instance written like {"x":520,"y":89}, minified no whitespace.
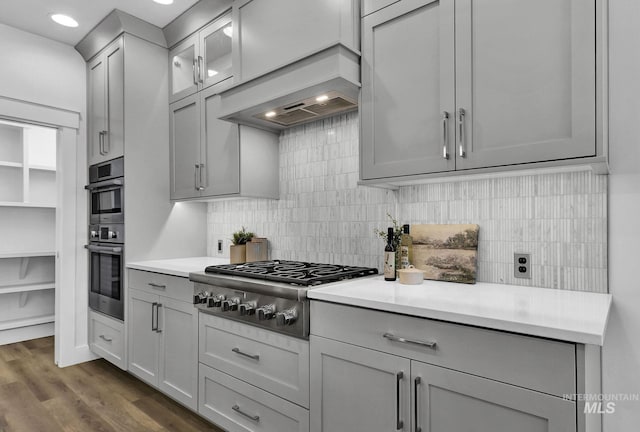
{"x":217,"y":54}
{"x":10,"y":143}
{"x":182,"y":69}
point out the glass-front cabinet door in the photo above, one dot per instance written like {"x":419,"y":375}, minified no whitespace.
{"x":215,"y":42}
{"x":183,"y":67}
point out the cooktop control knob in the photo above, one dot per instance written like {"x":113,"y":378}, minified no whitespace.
{"x":287,"y":317}
{"x":215,"y":301}
{"x":248,"y":308}
{"x":231,"y":304}
{"x":200,"y":298}
{"x":266,"y":312}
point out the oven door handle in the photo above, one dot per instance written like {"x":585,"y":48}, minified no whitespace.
{"x":104,"y":249}
{"x":105,"y":184}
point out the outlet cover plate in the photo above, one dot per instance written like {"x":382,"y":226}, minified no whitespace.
{"x":522,"y":265}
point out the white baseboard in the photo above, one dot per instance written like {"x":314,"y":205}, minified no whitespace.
{"x":26,"y":333}
{"x":80,"y":354}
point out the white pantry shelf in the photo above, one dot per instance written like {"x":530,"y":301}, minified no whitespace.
{"x":26,"y":322}
{"x":42,"y":167}
{"x":26,"y":287}
{"x":11,"y":164}
{"x":28,"y":254}
{"x":26,"y":204}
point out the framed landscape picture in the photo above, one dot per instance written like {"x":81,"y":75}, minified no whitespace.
{"x":446,"y":252}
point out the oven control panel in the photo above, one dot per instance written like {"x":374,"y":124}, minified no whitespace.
{"x":111,"y":233}
{"x":270,"y":312}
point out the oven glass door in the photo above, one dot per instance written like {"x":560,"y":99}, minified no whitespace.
{"x":106,"y":279}
{"x":107,"y":203}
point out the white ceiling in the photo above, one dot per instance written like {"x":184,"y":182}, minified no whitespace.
{"x":34,"y":15}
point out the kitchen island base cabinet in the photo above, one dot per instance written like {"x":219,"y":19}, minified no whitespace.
{"x":163,"y":335}
{"x":240,"y":407}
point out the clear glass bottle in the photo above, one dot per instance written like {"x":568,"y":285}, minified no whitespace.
{"x":406,"y":248}
{"x":390,"y":257}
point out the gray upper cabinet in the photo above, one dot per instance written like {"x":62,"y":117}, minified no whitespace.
{"x":407,"y":99}
{"x":274,"y":33}
{"x":201,"y":60}
{"x":494,"y":85}
{"x":106,"y":104}
{"x":213,"y":158}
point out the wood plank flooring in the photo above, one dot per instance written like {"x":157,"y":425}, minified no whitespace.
{"x":38,"y":396}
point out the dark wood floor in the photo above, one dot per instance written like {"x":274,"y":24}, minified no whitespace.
{"x":37,"y":396}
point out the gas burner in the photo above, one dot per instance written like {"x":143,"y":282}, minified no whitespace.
{"x":292,"y":272}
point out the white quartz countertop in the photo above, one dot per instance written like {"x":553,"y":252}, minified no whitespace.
{"x":178,"y":266}
{"x":551,"y":313}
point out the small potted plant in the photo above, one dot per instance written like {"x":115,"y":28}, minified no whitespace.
{"x":238,"y":249}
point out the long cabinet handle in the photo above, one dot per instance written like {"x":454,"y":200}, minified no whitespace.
{"x":101,"y":142}
{"x":195,"y":177}
{"x":399,"y":422}
{"x":416,"y":383}
{"x":106,"y":339}
{"x":394,"y":338}
{"x":461,"y":140}
{"x":154,"y":322}
{"x":201,"y":69}
{"x":201,"y":188}
{"x":255,"y":418}
{"x":158,"y":329}
{"x":105,"y":142}
{"x":445,"y":134}
{"x":195,"y":67}
{"x":251,"y":356}
{"x":158,"y":286}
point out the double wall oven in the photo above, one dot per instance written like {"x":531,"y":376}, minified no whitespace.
{"x":106,"y":237}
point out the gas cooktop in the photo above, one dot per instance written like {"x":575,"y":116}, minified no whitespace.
{"x":292,"y":272}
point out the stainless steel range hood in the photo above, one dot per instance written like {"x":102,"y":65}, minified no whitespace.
{"x":315,"y":87}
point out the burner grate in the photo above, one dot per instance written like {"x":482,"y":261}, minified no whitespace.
{"x":292,"y":272}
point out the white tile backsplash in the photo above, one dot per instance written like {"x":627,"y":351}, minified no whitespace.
{"x":324,"y":216}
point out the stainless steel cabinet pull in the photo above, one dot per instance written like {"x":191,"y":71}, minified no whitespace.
{"x":394,"y":338}
{"x":201,"y":69}
{"x":154,"y":323}
{"x":416,"y":384}
{"x":105,"y":142}
{"x":251,"y":356}
{"x":201,"y":183}
{"x":237,"y":409}
{"x":445,"y":135}
{"x":155,"y":285}
{"x":106,"y":339}
{"x":399,"y":422}
{"x":195,"y":76}
{"x":195,"y":178}
{"x":101,"y":142}
{"x":461,"y":114}
{"x":158,"y":329}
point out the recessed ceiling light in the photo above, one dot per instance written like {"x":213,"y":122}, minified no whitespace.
{"x":228,"y":30}
{"x":163,"y":2}
{"x":270,"y":114}
{"x":64,"y":20}
{"x":322,"y":98}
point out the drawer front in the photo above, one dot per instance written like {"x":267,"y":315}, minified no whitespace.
{"x":276,"y":363}
{"x":237,"y":406}
{"x":106,"y":338}
{"x":534,"y":363}
{"x":177,"y":288}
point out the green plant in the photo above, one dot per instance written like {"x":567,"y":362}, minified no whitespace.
{"x":242,"y":237}
{"x":397,"y":232}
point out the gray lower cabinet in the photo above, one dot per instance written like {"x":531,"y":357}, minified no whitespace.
{"x":162,"y":335}
{"x":214,"y":158}
{"x":378,"y":371}
{"x":477,"y":85}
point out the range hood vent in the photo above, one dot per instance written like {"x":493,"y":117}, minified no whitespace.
{"x":309,"y":109}
{"x":318,"y":86}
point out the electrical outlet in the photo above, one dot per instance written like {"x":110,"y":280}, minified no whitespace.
{"x":522,"y":265}
{"x":219,"y":246}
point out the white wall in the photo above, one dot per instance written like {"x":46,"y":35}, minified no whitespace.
{"x":41,"y":71}
{"x":621,"y":353}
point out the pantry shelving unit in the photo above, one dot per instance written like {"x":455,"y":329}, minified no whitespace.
{"x":27,"y":227}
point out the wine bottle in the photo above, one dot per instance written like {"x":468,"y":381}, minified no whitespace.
{"x":390,"y":257}
{"x":406,"y":248}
